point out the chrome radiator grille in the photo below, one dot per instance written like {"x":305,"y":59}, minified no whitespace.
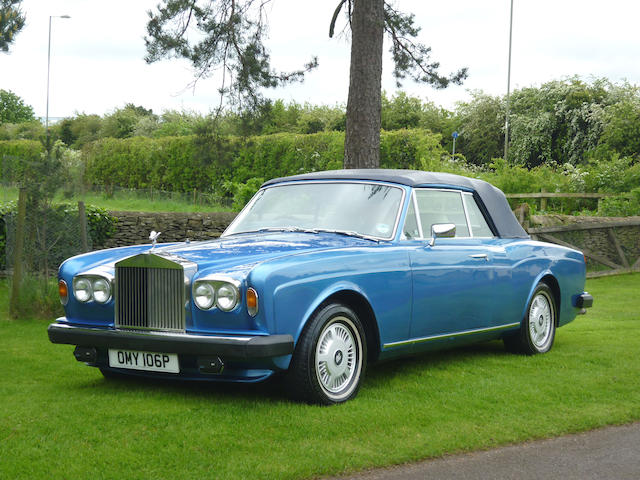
{"x":149,"y":298}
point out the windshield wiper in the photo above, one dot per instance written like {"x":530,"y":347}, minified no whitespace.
{"x":349,"y":233}
{"x":279,"y":229}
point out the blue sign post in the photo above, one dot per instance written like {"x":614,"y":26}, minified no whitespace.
{"x":454,"y":135}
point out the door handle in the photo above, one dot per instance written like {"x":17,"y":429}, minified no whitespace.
{"x":480,"y":256}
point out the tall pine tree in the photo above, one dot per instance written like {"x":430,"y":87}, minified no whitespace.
{"x":11,"y":22}
{"x":230,"y":38}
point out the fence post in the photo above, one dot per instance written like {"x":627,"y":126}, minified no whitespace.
{"x":543,"y":201}
{"x":82,"y":218}
{"x":18,"y":253}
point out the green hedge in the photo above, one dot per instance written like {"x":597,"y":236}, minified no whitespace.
{"x":15,"y":156}
{"x":206,"y":163}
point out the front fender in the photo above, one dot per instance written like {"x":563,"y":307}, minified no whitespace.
{"x":294,"y":290}
{"x":341,"y":286}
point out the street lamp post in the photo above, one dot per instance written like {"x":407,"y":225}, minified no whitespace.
{"x":48,"y":71}
{"x":506,"y":122}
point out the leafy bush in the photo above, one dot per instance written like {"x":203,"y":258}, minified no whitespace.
{"x":77,"y":131}
{"x":38,"y":298}
{"x":613,"y":174}
{"x":242,"y":192}
{"x":100,"y":224}
{"x":16,"y":155}
{"x":123,"y":121}
{"x":13,"y":109}
{"x":621,"y":206}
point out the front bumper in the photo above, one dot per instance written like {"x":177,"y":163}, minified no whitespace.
{"x":235,"y":347}
{"x":585,"y":300}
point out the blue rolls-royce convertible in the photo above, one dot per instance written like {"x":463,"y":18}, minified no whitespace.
{"x":318,"y":276}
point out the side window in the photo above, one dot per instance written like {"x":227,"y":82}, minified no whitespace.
{"x":479,"y":226}
{"x":438,"y":206}
{"x":410,"y":230}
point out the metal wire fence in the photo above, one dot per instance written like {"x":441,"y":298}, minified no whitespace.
{"x":51,"y":235}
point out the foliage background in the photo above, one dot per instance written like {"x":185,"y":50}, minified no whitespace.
{"x":568,"y":135}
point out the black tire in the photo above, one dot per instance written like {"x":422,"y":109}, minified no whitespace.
{"x":538,"y":329}
{"x":330,"y":358}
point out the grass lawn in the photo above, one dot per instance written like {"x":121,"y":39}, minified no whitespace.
{"x":132,"y":201}
{"x":61,"y":419}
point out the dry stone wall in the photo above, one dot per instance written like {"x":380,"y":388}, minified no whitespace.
{"x":133,"y":228}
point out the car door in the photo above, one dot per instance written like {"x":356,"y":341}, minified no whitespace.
{"x":457,"y":282}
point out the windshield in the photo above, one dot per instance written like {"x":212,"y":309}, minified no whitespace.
{"x":361,"y":208}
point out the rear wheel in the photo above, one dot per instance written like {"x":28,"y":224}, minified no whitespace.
{"x":538,"y":328}
{"x":330,"y":359}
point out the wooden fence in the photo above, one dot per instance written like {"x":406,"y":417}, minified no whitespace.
{"x":544,"y":196}
{"x":611,"y":255}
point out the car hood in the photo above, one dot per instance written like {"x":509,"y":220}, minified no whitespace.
{"x":227,"y":253}
{"x":256,"y":248}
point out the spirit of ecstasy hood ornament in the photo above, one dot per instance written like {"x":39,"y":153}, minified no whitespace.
{"x":153,"y":236}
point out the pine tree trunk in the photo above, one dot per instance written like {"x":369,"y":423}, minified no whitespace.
{"x":362,"y":138}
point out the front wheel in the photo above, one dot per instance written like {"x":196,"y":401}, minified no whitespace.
{"x":330,"y":359}
{"x":538,"y":328}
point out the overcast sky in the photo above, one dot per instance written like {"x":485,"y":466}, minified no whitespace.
{"x":97,"y":56}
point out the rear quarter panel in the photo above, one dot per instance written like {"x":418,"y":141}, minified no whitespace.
{"x":532,"y":261}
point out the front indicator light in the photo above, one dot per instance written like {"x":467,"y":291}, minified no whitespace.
{"x":252,"y":302}
{"x":63,"y":292}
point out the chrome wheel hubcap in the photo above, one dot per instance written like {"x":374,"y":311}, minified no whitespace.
{"x":541,"y":321}
{"x":338,"y":361}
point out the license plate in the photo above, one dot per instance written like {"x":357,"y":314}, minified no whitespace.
{"x":148,"y":361}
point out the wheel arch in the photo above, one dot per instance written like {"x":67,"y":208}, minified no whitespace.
{"x":361,"y":306}
{"x":551,"y":281}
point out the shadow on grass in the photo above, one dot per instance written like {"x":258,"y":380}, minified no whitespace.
{"x":274,"y":390}
{"x":271,"y":390}
{"x":382,"y":372}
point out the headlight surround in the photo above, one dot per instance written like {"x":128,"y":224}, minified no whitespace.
{"x":101,"y":290}
{"x":227,"y":297}
{"x":82,"y":289}
{"x":204,"y":295}
{"x":87,"y":288}
{"x":223,"y":293}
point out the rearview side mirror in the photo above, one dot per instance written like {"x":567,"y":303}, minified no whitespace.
{"x":442,"y":230}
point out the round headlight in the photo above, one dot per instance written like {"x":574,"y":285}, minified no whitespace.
{"x":204,"y":296}
{"x":101,"y":290}
{"x":227,"y":297}
{"x":82,"y":289}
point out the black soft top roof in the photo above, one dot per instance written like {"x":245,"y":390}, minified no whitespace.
{"x":493,"y":199}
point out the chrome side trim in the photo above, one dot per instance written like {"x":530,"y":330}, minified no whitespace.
{"x":463,"y":197}
{"x":447,"y":335}
{"x":416,"y":213}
